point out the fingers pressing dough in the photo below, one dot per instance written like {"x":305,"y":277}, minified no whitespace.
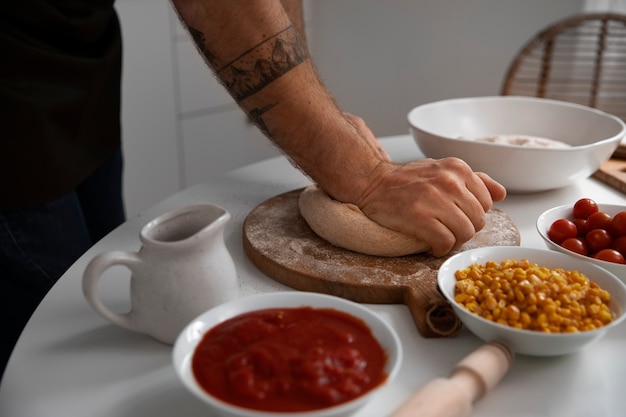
{"x":346,"y":226}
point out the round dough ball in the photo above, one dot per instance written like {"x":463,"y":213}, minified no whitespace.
{"x":346,"y":226}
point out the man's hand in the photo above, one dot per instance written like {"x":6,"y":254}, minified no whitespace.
{"x":441,"y":202}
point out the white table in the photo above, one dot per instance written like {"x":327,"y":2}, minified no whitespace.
{"x":71,"y":362}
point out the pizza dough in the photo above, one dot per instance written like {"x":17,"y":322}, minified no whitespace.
{"x":346,"y":226}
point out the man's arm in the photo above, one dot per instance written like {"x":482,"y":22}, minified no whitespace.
{"x":260,"y":56}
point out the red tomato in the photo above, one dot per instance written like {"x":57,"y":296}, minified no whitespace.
{"x":610,"y":255}
{"x":598,"y":239}
{"x":584,"y":208}
{"x":618,"y":224}
{"x":599,"y":220}
{"x":576,"y":245}
{"x":619,"y":245}
{"x":562,"y":229}
{"x":581,"y":225}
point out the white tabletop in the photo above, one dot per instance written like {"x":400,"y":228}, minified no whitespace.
{"x":71,"y":362}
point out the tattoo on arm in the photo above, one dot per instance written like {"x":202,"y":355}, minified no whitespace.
{"x":256,"y":68}
{"x":200,"y":41}
{"x":255,"y":117}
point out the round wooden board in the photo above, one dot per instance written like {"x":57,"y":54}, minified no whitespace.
{"x":280,"y":243}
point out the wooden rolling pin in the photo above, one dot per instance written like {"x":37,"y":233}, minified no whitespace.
{"x":471,"y":379}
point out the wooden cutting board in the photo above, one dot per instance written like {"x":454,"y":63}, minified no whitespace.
{"x":613,"y":173}
{"x":279,"y":242}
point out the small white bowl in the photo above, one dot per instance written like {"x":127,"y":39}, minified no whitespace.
{"x":530,"y":342}
{"x":189,"y":338}
{"x":449,"y":127}
{"x":565,"y":212}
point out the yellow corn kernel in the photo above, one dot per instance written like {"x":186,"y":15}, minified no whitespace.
{"x":512,"y":313}
{"x":490,"y":302}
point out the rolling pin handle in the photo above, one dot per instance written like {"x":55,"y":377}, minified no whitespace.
{"x":472,"y":378}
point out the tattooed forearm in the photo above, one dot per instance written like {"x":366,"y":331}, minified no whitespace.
{"x":259,"y":66}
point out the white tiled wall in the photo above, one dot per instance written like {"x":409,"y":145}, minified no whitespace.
{"x":219,"y":142}
{"x":151,"y":170}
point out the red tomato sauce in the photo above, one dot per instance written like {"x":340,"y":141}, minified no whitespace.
{"x":289,"y":359}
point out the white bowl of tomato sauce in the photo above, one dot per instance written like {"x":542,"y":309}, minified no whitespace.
{"x":287,"y":353}
{"x":536,"y":301}
{"x":614,"y":240}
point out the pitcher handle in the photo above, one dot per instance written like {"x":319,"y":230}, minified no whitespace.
{"x":91,"y":277}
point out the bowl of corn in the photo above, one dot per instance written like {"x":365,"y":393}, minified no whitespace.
{"x":538,"y":302}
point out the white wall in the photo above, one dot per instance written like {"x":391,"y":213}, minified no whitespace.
{"x":615,"y":6}
{"x":151,"y":171}
{"x":379,"y":58}
{"x":382,"y":58}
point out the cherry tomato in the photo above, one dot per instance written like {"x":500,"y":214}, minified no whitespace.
{"x":581,"y":226}
{"x":599,"y":220}
{"x":598,"y":239}
{"x":562,"y":229}
{"x":576,"y":245}
{"x":618,"y":224}
{"x":610,"y":255}
{"x":584,"y":208}
{"x":619,"y":245}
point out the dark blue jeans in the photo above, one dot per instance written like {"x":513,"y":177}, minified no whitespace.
{"x":37,"y":245}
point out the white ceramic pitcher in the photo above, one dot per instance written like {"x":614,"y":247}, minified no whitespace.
{"x":182,"y":269}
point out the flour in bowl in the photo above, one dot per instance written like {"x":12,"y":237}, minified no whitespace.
{"x":522,"y":140}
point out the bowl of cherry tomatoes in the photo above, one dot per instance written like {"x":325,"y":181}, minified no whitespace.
{"x":588,"y":230}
